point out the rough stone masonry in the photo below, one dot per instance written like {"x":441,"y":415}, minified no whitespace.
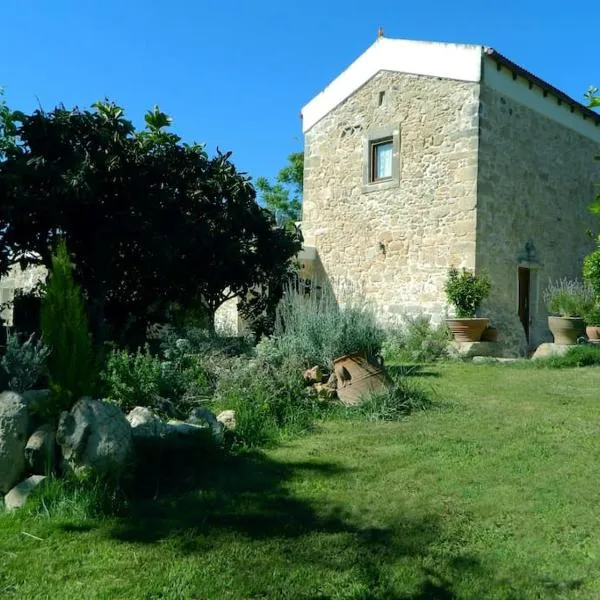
{"x":485,"y":177}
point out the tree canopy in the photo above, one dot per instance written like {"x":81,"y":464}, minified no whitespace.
{"x":149,"y":221}
{"x":284,"y":197}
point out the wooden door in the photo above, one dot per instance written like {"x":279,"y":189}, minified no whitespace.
{"x":524,"y":297}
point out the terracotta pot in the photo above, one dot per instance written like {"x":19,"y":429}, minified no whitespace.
{"x":593,"y":333}
{"x":357,"y":377}
{"x":566,"y":330}
{"x":490,"y":334}
{"x":467,"y":330}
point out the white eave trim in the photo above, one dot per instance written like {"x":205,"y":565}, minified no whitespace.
{"x":448,"y":61}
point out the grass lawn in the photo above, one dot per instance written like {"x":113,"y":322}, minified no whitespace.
{"x":493,"y":493}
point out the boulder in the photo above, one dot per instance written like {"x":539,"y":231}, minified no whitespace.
{"x":323,"y":390}
{"x":146,"y":427}
{"x":144,"y":423}
{"x":227,"y":418}
{"x":14,"y":422}
{"x":18,"y":495}
{"x":204,"y":417}
{"x":314,"y":375}
{"x":40,"y":450}
{"x":95,"y":438}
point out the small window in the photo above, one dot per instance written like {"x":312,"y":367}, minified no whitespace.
{"x":381,"y":162}
{"x":381,"y":156}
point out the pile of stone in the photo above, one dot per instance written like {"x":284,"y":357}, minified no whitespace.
{"x":321,"y":384}
{"x":94,"y":437}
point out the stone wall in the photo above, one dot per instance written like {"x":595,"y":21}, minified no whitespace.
{"x":396,"y":242}
{"x":18,"y":279}
{"x":536,"y":180}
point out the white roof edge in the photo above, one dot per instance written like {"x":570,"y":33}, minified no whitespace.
{"x":451,"y":61}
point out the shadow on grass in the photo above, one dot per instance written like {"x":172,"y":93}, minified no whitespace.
{"x":247,"y":497}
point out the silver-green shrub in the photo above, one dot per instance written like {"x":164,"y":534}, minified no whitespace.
{"x":23,"y":363}
{"x":315,"y":329}
{"x":569,"y":297}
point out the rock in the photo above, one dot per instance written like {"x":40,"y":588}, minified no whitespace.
{"x":332,"y":381}
{"x":41,"y":449}
{"x":14,"y":422}
{"x":548,"y":349}
{"x":18,"y":495}
{"x":95,"y":437}
{"x":314,"y":375}
{"x":324,"y":391}
{"x":144,"y":423}
{"x":227,"y":418}
{"x":471,"y":349}
{"x":203,"y":416}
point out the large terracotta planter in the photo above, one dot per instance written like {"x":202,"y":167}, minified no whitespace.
{"x":467,"y":330}
{"x":593,"y":333}
{"x":357,"y":377}
{"x":566,"y":330}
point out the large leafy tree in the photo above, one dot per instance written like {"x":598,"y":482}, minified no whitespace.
{"x":149,"y":221}
{"x":284,"y":197}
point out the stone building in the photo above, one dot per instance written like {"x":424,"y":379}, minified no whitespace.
{"x":423,"y":155}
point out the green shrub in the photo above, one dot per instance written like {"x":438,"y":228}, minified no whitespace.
{"x":313,"y":328}
{"x":171,"y":385}
{"x":417,"y":341}
{"x":592,"y":316}
{"x":268,"y":394}
{"x":23,"y":364}
{"x":591,"y":270}
{"x":582,"y":355}
{"x":466,"y":291}
{"x":72,"y":363}
{"x":569,"y":297}
{"x":132,"y":379}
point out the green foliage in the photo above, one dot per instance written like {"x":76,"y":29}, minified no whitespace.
{"x":132,"y":379}
{"x":466,"y":291}
{"x":267,"y":392}
{"x":23,"y":364}
{"x":569,"y":298}
{"x":592,"y":316}
{"x":417,"y":341}
{"x":582,"y":355}
{"x":7,"y":126}
{"x":171,"y":386}
{"x":72,"y":364}
{"x":176,"y":227}
{"x":591,"y":270}
{"x":313,"y":328}
{"x":284,"y":197}
{"x":592,"y":97}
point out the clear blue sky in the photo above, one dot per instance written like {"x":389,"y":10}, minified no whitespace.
{"x":236,"y":73}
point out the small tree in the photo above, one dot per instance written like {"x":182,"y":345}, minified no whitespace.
{"x":284,"y":197}
{"x":72,"y":366}
{"x":466,"y":291}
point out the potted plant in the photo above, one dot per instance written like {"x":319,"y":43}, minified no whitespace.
{"x":592,"y":323}
{"x":568,"y":301}
{"x":466,"y":291}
